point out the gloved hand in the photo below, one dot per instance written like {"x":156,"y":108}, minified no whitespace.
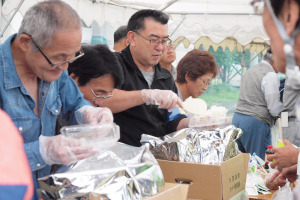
{"x":94,"y":115}
{"x":62,"y":150}
{"x":163,"y":98}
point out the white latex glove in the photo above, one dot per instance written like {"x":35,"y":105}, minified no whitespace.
{"x":62,"y":150}
{"x":164,"y":98}
{"x":94,"y":115}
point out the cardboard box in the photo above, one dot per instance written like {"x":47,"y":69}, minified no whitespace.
{"x":211,"y":182}
{"x":172,"y":191}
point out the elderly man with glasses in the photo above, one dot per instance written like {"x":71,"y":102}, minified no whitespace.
{"x":35,"y":87}
{"x":141,"y":104}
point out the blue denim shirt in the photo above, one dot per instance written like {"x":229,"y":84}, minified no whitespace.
{"x":58,"y":97}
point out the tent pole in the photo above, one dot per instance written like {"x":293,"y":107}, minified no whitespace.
{"x":255,"y":56}
{"x":167,"y":5}
{"x":211,"y":13}
{"x":11,"y":18}
{"x":243,"y":62}
{"x":183,"y":18}
{"x":114,"y":4}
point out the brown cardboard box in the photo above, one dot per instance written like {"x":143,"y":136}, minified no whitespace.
{"x":211,"y":182}
{"x":172,"y":191}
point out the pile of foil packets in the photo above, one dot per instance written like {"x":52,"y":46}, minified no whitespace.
{"x":195,"y":145}
{"x":121,"y":172}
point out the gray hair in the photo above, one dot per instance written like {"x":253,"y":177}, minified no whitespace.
{"x":43,"y":20}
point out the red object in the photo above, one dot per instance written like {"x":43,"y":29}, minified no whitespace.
{"x":266,"y":165}
{"x":15,"y":175}
{"x":269,"y":150}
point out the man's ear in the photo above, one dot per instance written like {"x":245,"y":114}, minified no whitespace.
{"x":290,"y":16}
{"x":25,"y":43}
{"x":187,"y":78}
{"x":131,"y":37}
{"x":127,"y":42}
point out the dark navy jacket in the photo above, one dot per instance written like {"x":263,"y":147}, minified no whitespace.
{"x":148,"y":119}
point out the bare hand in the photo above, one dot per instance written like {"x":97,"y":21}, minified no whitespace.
{"x":284,"y":156}
{"x":274,"y":181}
{"x":289,"y":173}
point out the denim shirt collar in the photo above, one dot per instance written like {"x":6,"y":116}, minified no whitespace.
{"x":11,"y":77}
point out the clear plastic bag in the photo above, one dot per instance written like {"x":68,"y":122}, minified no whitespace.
{"x":284,"y":192}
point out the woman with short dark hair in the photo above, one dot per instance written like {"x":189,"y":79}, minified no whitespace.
{"x":194,"y":73}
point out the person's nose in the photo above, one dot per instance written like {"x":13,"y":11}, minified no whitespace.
{"x":160,"y":47}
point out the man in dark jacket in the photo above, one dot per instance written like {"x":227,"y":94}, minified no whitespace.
{"x":141,"y":105}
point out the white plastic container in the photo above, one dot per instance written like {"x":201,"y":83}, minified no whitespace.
{"x":98,"y":136}
{"x":206,"y":121}
{"x":213,"y":118}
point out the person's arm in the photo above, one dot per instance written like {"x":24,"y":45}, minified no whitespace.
{"x":183,"y":123}
{"x":270,"y":88}
{"x":123,"y":100}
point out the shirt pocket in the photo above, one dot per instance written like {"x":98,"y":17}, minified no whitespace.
{"x":23,"y":125}
{"x":55,"y":107}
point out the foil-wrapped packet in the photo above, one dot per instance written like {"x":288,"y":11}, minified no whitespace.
{"x":121,"y":172}
{"x":196,"y":145}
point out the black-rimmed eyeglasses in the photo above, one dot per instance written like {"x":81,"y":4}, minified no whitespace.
{"x":79,"y":54}
{"x":155,"y":42}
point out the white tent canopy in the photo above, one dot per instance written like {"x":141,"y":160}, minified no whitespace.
{"x":225,"y":23}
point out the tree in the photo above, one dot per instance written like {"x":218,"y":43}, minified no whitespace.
{"x":228,"y":61}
